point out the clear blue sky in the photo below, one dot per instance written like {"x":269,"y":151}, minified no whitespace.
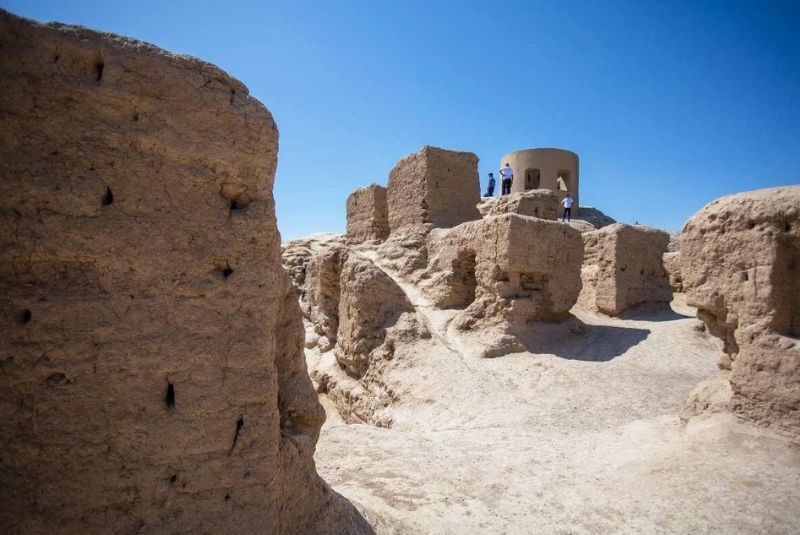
{"x":668,"y":104}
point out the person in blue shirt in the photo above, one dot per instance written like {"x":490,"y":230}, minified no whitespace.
{"x":490,"y":189}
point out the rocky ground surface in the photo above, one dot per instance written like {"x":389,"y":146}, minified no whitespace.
{"x":580,"y":434}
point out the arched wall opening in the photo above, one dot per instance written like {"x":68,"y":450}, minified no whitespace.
{"x":465,"y":283}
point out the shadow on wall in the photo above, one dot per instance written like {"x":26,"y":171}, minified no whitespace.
{"x":576,"y":340}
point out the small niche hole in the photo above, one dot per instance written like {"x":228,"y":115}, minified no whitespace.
{"x":99,"y":65}
{"x":227,"y":272}
{"x":25,"y":316}
{"x":169,"y":399}
{"x":239,"y":425}
{"x":173,"y":478}
{"x":108,"y":198}
{"x":227,"y":497}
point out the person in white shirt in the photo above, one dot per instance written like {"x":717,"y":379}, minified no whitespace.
{"x":508,"y":177}
{"x":567,"y":203}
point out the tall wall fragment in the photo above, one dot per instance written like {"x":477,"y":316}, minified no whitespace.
{"x":435,"y":187}
{"x":367,"y":215}
{"x":151,"y":370}
{"x":740,"y":262}
{"x":623,"y":267}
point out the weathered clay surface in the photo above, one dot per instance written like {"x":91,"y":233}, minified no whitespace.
{"x":367,"y":215}
{"x":623,"y":268}
{"x":296,"y":255}
{"x":541,"y":203}
{"x":361,"y":313}
{"x":581,"y":226}
{"x":740,"y":260}
{"x":435,"y":187}
{"x":674,"y":244}
{"x":151,"y":370}
{"x":370,"y":302}
{"x":506,"y":272}
{"x":672,"y":263}
{"x":406,"y":252}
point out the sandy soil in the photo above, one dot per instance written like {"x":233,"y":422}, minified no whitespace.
{"x":581,"y":435}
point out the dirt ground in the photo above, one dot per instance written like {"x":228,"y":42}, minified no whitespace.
{"x":580,"y":435}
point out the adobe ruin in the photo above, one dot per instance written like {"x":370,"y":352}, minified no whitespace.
{"x":153,"y":377}
{"x":367,"y":215}
{"x":541,"y":203}
{"x":623,"y":268}
{"x":545,"y":168}
{"x":434,"y":187}
{"x":740,"y":259}
{"x":505,"y":272}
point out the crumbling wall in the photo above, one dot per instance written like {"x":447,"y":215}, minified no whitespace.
{"x":151,"y":369}
{"x":361,"y":313}
{"x":623,"y":268}
{"x":434,"y":187}
{"x":672,"y":263}
{"x":370,"y":302}
{"x":740,"y":260}
{"x":506,"y":272}
{"x":541,"y":203}
{"x":367,"y":215}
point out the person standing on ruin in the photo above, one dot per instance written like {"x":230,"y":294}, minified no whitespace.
{"x":508,"y":177}
{"x":567,"y":203}
{"x":490,"y":189}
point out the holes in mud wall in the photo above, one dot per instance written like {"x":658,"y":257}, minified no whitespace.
{"x":532,"y":282}
{"x":108,"y":198}
{"x":786,"y":286}
{"x":99,"y":66}
{"x":227,"y":497}
{"x":465,"y":283}
{"x":239,"y":425}
{"x":173,"y":478}
{"x":169,"y":398}
{"x":226,"y":271}
{"x":236,"y":204}
{"x":25,"y":316}
{"x":135,"y":116}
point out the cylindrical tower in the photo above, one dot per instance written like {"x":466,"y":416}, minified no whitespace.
{"x":553,"y":169}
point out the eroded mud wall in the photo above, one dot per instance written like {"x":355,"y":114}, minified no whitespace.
{"x":151,"y":371}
